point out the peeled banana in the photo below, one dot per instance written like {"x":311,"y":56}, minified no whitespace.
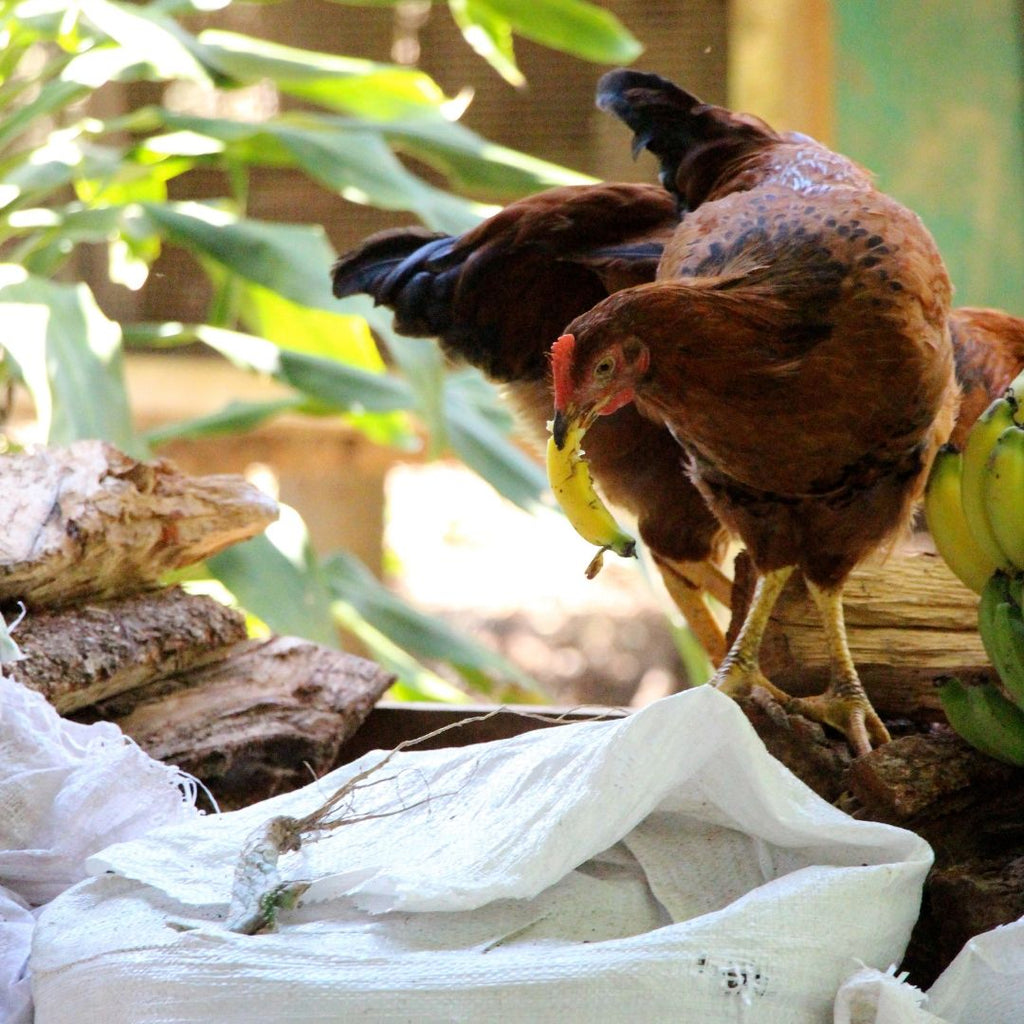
{"x":944,"y":515}
{"x":980,"y":443}
{"x":573,"y":488}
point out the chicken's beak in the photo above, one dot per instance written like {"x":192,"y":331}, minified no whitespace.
{"x":560,"y":428}
{"x":572,"y":418}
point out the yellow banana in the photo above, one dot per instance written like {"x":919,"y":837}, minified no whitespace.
{"x":1004,"y":493}
{"x":980,"y":442}
{"x":944,"y":514}
{"x":573,"y":488}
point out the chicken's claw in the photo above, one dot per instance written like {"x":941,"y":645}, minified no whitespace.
{"x":852,"y":715}
{"x":737,"y":680}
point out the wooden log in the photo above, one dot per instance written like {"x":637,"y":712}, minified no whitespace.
{"x":87,"y":521}
{"x":80,"y":656}
{"x":265,"y":717}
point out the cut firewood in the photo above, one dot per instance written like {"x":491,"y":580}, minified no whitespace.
{"x":87,"y":521}
{"x":266,"y":717}
{"x":79,"y":656}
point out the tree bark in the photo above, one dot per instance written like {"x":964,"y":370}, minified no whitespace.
{"x":81,"y":655}
{"x":259,"y":718}
{"x":87,"y":522}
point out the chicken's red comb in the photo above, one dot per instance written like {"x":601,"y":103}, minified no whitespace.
{"x":561,"y":357}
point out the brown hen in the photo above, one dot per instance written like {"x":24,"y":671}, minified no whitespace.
{"x":796,"y":344}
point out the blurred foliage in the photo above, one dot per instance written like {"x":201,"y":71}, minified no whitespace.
{"x":69,"y":177}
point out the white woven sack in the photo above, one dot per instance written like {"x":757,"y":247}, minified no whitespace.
{"x":68,"y":790}
{"x":983,"y":985}
{"x":660,"y":867}
{"x":16,"y":925}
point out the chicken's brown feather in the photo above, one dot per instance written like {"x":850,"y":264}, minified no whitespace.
{"x":988,"y":346}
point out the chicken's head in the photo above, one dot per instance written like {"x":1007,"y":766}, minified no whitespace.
{"x":593,"y":380}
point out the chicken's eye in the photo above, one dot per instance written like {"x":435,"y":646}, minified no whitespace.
{"x":603,"y":369}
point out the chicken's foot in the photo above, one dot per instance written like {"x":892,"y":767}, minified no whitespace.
{"x":844,"y":705}
{"x":741,"y":671}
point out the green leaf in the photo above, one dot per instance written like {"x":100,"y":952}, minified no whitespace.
{"x":414,"y":682}
{"x":279,"y":581}
{"x":69,"y":355}
{"x":234,"y":418}
{"x":487,"y":450}
{"x":53,"y":233}
{"x":422,"y":365}
{"x":342,"y":337}
{"x":347,"y":84}
{"x":315,"y":141}
{"x":53,"y":96}
{"x":150,"y":39}
{"x":291,"y":259}
{"x":421,"y":635}
{"x":360,"y":166}
{"x":572,"y":26}
{"x":344,"y":155}
{"x":338,"y":335}
{"x":489,"y":36}
{"x":471,"y":162}
{"x":345,"y":387}
{"x":336,"y":384}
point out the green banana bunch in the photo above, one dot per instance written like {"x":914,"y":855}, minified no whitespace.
{"x":974,"y":506}
{"x":1002,"y":632}
{"x":985,"y":718}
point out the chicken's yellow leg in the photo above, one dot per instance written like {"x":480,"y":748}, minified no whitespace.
{"x":844,"y":705}
{"x":741,"y":669}
{"x":686,"y":583}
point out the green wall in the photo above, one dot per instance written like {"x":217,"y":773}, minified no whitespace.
{"x":930,"y":96}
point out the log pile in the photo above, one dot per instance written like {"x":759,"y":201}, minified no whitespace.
{"x":86,"y":534}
